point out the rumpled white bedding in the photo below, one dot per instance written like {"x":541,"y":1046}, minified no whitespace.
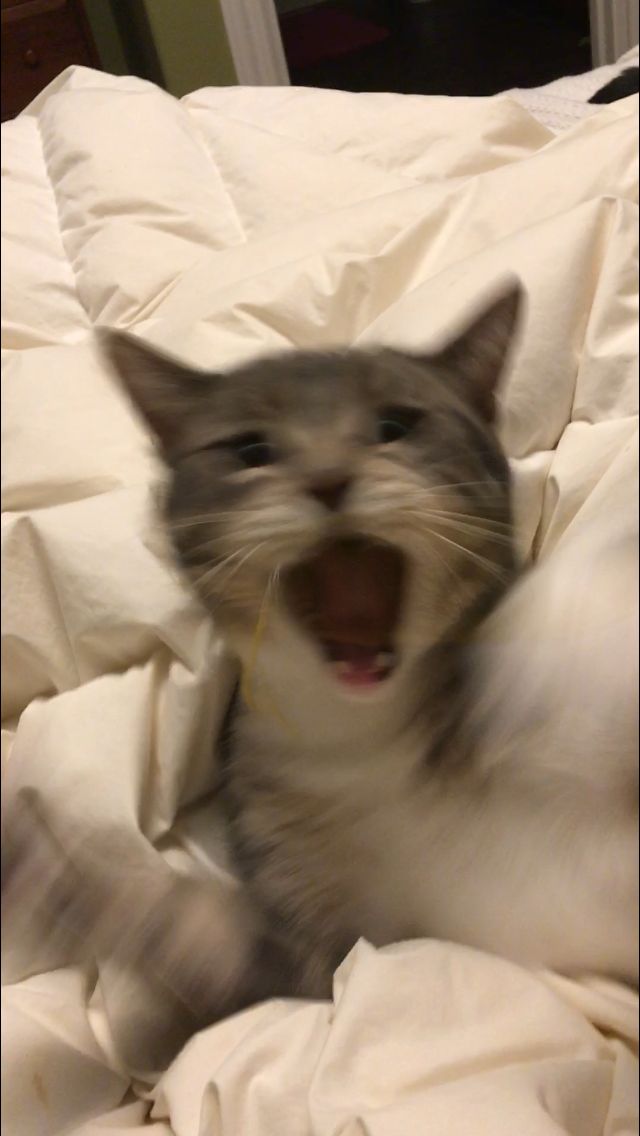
{"x":233,"y":222}
{"x":565,"y":101}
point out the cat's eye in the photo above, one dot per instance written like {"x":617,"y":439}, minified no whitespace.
{"x":395,"y":423}
{"x":253,"y":450}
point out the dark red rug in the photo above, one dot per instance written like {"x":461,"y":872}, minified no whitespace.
{"x":324,"y":33}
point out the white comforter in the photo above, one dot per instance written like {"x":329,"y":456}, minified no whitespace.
{"x":228,"y":223}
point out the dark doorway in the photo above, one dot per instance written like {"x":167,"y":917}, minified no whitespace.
{"x":440,"y":47}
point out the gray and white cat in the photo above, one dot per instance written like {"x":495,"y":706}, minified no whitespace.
{"x":426,"y":743}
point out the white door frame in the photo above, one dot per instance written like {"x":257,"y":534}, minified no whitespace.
{"x":254,"y":39}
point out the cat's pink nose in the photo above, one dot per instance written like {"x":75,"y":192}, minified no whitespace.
{"x":330,"y":491}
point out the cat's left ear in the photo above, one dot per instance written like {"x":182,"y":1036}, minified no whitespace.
{"x":168,"y":395}
{"x":476,"y":358}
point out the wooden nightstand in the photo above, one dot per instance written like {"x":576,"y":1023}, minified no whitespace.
{"x":39,"y":39}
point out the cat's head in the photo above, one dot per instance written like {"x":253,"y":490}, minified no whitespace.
{"x":359,"y":499}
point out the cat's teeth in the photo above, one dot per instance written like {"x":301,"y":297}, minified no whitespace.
{"x":340,"y":667}
{"x":385,"y":659}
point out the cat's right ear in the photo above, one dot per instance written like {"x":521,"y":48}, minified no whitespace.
{"x":476,"y":357}
{"x":168,"y":395}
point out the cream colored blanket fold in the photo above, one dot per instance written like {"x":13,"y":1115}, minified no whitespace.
{"x":230,"y":223}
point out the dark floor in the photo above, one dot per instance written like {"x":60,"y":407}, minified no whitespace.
{"x":459,"y":47}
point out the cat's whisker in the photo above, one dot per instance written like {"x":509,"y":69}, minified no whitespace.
{"x":474,"y":519}
{"x":443,"y":560}
{"x":488,"y":565}
{"x":255,"y":516}
{"x":423,"y":492}
{"x":274,"y":579}
{"x":250,"y":533}
{"x":207,"y":546}
{"x":194,"y":522}
{"x":453,"y":522}
{"x":495,"y":489}
{"x":204,"y":519}
{"x":430,"y":498}
{"x":424,"y":538}
{"x":206,"y":577}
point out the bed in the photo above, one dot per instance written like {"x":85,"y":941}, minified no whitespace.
{"x":229,"y":223}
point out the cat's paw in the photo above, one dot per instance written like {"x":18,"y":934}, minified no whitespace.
{"x":194,"y":936}
{"x":110,"y":896}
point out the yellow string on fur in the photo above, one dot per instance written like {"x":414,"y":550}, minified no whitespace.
{"x":258,"y":636}
{"x":246,"y":678}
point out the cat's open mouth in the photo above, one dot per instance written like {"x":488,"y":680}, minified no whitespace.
{"x":348,"y":596}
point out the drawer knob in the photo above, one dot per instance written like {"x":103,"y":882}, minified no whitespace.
{"x":31,"y":58}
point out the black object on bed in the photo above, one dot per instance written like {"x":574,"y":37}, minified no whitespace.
{"x":619,"y":88}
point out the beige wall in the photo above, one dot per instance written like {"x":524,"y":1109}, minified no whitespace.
{"x":191,"y":44}
{"x":180,"y":43}
{"x":106,"y":36}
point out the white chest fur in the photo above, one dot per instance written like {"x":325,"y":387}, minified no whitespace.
{"x":532,"y":851}
{"x":541,"y":871}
